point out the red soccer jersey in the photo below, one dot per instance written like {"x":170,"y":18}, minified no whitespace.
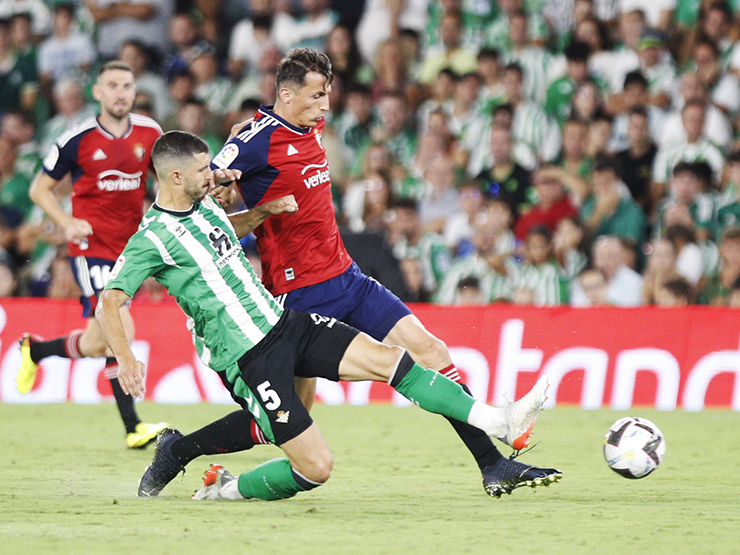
{"x":277,"y":159}
{"x":109,"y":177}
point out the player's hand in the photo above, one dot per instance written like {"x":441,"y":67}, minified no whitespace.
{"x":225,"y":175}
{"x":282,"y":205}
{"x":132,"y":377}
{"x":76,"y":230}
{"x":237,"y":127}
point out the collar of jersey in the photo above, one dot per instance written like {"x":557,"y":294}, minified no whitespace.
{"x":178,"y":213}
{"x":111,"y":135}
{"x":267,"y":111}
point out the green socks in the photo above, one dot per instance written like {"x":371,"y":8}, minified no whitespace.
{"x":272,"y":480}
{"x":435,"y":393}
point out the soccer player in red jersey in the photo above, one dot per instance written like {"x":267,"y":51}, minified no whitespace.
{"x":109,"y":158}
{"x":305,"y":265}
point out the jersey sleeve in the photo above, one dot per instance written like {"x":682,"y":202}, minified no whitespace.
{"x":61,"y":160}
{"x":139,"y":260}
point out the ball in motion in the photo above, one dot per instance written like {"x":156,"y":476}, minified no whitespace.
{"x":634,"y":447}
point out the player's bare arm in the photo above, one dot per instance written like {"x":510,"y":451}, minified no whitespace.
{"x":248,"y":220}
{"x":131,"y":372}
{"x":221,"y":187}
{"x":41,"y":193}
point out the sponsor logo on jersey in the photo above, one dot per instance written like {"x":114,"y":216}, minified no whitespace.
{"x":292,"y":150}
{"x":227,"y":155}
{"x":289,"y":274}
{"x":113,"y":180}
{"x":282,"y":416}
{"x":318,"y":138}
{"x":99,"y":155}
{"x":321,"y":176}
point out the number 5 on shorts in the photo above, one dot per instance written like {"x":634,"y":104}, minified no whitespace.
{"x":270,"y":398}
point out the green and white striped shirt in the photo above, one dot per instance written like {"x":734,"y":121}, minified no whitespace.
{"x":196,"y":255}
{"x":543,"y":280}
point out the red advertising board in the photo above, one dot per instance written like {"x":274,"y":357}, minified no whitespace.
{"x":611,"y":357}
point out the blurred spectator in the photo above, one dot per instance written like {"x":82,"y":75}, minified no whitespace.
{"x":537,"y":280}
{"x":587,"y":102}
{"x":570,"y":248}
{"x":391,"y":74}
{"x":661,"y":267}
{"x":687,"y":201}
{"x":345,"y":57}
{"x":552,"y":203}
{"x":458,"y":230}
{"x":692,"y":262}
{"x":67,"y":53}
{"x":717,"y":287}
{"x":210,"y":87}
{"x":20,"y":129}
{"x":382,"y":19}
{"x":599,"y":134}
{"x":489,"y":263}
{"x":355,"y":123}
{"x":717,"y":127}
{"x":18,"y":75}
{"x":392,"y":127}
{"x":71,"y":110}
{"x":610,"y":210}
{"x":559,"y":98}
{"x":636,"y":161}
{"x":595,"y":288}
{"x":506,"y":179}
{"x":266,"y":26}
{"x":136,"y":55}
{"x":676,"y":292}
{"x":469,"y":292}
{"x":191,"y":117}
{"x":14,"y":202}
{"x":441,"y":198}
{"x":38,"y":10}
{"x":409,"y":240}
{"x":633,"y":97}
{"x":534,"y":60}
{"x":451,"y":53}
{"x":311,"y":29}
{"x":624,"y":285}
{"x":695,"y":148}
{"x":724,"y":88}
{"x":490,"y":70}
{"x":121,"y":21}
{"x":376,"y":164}
{"x":733,"y":299}
{"x":727,"y":201}
{"x":185,"y":40}
{"x":498,"y":33}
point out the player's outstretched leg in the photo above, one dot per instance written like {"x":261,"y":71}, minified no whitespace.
{"x":164,"y":466}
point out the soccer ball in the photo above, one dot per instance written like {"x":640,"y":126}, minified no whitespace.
{"x":634,"y":447}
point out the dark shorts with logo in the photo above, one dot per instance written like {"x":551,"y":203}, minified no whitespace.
{"x":353,"y":298}
{"x":306,"y":345}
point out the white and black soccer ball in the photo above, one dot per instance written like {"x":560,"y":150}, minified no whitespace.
{"x":634,"y":447}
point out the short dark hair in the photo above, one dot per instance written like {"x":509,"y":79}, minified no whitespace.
{"x":577,"y":51}
{"x":679,"y":287}
{"x":635,"y":78}
{"x":605,"y":162}
{"x":176,"y":145}
{"x":114,"y":64}
{"x":514,"y":66}
{"x":298,"y":62}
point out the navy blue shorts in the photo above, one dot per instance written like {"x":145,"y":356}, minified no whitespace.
{"x":353,"y":298}
{"x":91,"y":275}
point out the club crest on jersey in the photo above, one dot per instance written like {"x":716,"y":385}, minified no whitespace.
{"x":317,"y":134}
{"x":113,"y":180}
{"x":320,"y":176}
{"x":227,"y":155}
{"x":140,"y":151}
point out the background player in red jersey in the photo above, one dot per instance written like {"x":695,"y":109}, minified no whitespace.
{"x":108,"y":158}
{"x":306,"y":266}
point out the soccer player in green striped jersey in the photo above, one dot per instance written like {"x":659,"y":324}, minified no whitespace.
{"x":189,"y":244}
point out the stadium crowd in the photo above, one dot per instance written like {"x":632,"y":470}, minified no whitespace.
{"x":547,"y":152}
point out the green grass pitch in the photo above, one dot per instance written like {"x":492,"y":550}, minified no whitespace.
{"x":402,"y":484}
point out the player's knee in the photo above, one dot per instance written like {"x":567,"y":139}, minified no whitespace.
{"x":431,"y":352}
{"x":320,"y":467}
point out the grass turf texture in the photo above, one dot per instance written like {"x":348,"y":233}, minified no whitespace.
{"x":402,"y":484}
